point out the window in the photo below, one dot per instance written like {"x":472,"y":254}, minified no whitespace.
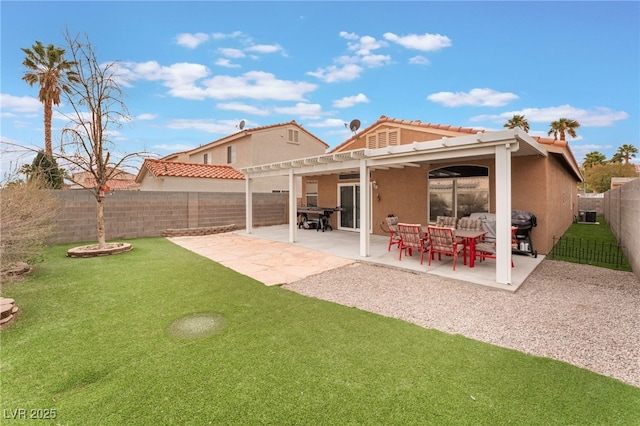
{"x":458,"y":191}
{"x":206,"y":159}
{"x":231,"y":154}
{"x":293,"y":136}
{"x":311,"y":195}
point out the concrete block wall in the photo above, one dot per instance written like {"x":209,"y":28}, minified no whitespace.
{"x":135,"y":214}
{"x":591,"y":203}
{"x":622,"y":213}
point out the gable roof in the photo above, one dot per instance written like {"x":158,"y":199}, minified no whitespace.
{"x":445,"y":130}
{"x":248,"y":132}
{"x":160,"y":168}
{"x":555,"y":146}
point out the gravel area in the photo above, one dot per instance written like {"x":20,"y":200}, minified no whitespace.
{"x":580,"y":314}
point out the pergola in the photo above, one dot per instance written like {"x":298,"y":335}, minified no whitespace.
{"x":499,"y":145}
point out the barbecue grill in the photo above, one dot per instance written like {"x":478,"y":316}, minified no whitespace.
{"x":525,"y":222}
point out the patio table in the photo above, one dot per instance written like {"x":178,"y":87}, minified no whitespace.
{"x":469,"y":239}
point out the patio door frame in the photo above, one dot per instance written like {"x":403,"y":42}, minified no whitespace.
{"x":356,"y":206}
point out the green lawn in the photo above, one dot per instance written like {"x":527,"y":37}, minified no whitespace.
{"x":91,"y":343}
{"x":593,"y":244}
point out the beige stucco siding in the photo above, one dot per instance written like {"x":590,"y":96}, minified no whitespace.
{"x":540,"y":185}
{"x":151,"y":183}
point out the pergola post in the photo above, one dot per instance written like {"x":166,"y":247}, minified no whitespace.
{"x":365,"y":208}
{"x":248,"y":204}
{"x":293,"y":208}
{"x":503,"y":213}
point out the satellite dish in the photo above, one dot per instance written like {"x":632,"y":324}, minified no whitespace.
{"x":241,"y":125}
{"x":354,"y":125}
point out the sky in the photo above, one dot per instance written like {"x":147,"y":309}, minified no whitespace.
{"x":191,"y":71}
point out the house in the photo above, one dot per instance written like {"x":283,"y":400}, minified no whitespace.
{"x":248,"y":147}
{"x":418,"y":171}
{"x":120,"y":180}
{"x":161,"y":175}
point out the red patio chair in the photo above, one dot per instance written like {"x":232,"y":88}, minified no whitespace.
{"x":442,"y":240}
{"x":412,"y":237}
{"x":390,"y":225}
{"x":486,"y":250}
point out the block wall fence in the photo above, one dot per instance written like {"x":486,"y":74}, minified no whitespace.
{"x":135,"y":214}
{"x":622,"y":213}
{"x":591,"y":203}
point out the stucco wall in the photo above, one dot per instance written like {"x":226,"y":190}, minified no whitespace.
{"x":183,"y":184}
{"x":134,"y":214}
{"x":622,"y":213}
{"x":540,"y":185}
{"x":151,"y":183}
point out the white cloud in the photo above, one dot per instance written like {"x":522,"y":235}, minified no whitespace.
{"x":348,"y":36}
{"x":265,"y":48}
{"x":237,"y":106}
{"x":349,"y":101}
{"x":424,"y":42}
{"x":256,"y":85}
{"x":231,"y":52}
{"x":332,"y":74}
{"x":180,"y":78}
{"x":146,"y":116}
{"x":19,"y":103}
{"x":302,"y":109}
{"x":596,"y":117}
{"x":226,"y":63}
{"x":191,"y":41}
{"x":419,"y":60}
{"x":329,"y":122}
{"x":373,"y":61}
{"x":476,"y":97}
{"x":208,"y":126}
{"x":222,"y":36}
{"x":365,"y":45}
{"x":186,"y":80}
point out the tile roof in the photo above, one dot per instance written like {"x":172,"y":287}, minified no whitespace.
{"x":160,"y":168}
{"x":415,"y":123}
{"x":111,"y":183}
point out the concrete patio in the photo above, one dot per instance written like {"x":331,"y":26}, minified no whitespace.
{"x":267,"y":255}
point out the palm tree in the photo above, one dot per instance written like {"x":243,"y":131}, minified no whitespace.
{"x":625,"y":152}
{"x":46,"y":66}
{"x":562,"y":126}
{"x":593,"y":158}
{"x":517,"y":121}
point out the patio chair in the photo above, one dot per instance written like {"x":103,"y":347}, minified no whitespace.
{"x":469,"y":224}
{"x":447,"y":221}
{"x":487,"y":250}
{"x":442,"y":240}
{"x":390,"y":225}
{"x":412,"y":237}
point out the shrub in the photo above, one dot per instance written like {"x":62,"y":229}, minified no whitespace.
{"x":26,"y":214}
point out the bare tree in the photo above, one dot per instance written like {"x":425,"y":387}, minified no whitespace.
{"x":98,"y":108}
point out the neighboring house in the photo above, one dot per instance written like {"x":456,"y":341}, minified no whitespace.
{"x":160,"y":175}
{"x":418,"y":171}
{"x":121,"y":180}
{"x":249,"y":147}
